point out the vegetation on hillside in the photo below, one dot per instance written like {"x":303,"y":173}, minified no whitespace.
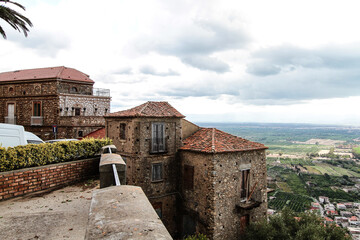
{"x":289,"y":225}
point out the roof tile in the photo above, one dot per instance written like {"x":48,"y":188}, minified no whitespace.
{"x":45,"y":73}
{"x":149,"y":109}
{"x":212,"y":140}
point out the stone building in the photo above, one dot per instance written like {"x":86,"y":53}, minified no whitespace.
{"x":223,"y":183}
{"x":42,"y":98}
{"x":148,"y":137}
{"x":197,"y":179}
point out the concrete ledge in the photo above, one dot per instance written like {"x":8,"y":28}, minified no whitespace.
{"x":123,"y":212}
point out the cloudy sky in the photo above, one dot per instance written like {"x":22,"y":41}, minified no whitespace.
{"x":215,"y":61}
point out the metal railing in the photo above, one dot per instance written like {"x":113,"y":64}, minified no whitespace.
{"x":101,"y":92}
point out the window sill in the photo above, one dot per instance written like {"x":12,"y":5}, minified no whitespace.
{"x":157,"y":181}
{"x":165,"y":152}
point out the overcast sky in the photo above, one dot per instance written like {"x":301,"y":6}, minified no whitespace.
{"x":215,"y":61}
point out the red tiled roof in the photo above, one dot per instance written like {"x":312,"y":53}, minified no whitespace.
{"x":100,"y":133}
{"x":212,"y":140}
{"x":45,"y":73}
{"x":149,"y":109}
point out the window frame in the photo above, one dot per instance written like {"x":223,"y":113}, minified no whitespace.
{"x":245,"y":184}
{"x":39,"y":103}
{"x":154,"y":167}
{"x":75,"y":110}
{"x":122,"y":131}
{"x":158,"y":142}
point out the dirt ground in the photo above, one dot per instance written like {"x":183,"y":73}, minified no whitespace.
{"x":60,"y":214}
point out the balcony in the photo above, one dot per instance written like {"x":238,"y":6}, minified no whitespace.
{"x":101,"y":92}
{"x":36,"y":120}
{"x":10,"y":120}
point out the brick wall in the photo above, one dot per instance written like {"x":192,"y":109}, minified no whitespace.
{"x":23,"y":181}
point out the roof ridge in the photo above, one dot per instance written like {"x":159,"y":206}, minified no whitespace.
{"x":145,"y":106}
{"x":61,"y":70}
{"x":213,"y":140}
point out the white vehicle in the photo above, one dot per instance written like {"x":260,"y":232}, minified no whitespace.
{"x":32,"y":138}
{"x":14,"y":135}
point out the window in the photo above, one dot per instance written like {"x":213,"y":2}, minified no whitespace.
{"x":74,"y":90}
{"x":188,"y":178}
{"x":77,"y":111}
{"x":158,"y":208}
{"x":158,"y":138}
{"x":156,"y":174}
{"x":36,"y":109}
{"x":122,"y":131}
{"x":245,"y":183}
{"x":80,"y":133}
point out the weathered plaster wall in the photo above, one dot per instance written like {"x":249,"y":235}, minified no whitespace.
{"x":188,"y":128}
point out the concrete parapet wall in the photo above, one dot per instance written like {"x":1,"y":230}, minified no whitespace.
{"x":19,"y":182}
{"x":123,"y":212}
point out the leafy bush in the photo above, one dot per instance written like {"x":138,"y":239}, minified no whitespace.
{"x":198,"y":236}
{"x":32,"y":155}
{"x":298,"y":226}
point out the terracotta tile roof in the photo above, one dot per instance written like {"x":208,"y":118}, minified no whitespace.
{"x":45,"y":73}
{"x":212,"y":140}
{"x":100,"y":133}
{"x":149,"y":109}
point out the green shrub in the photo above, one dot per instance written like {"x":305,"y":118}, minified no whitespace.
{"x":198,"y":236}
{"x":32,"y":155}
{"x":289,"y":225}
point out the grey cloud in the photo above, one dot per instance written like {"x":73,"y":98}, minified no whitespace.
{"x":262,"y":69}
{"x":205,"y":37}
{"x":195,"y":43}
{"x":206,"y":63}
{"x":288,"y":58}
{"x":152,"y":71}
{"x":43,"y":42}
{"x":281,"y":89}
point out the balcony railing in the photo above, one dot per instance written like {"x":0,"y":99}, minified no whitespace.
{"x":10,"y":120}
{"x":36,"y":121}
{"x":101,"y":92}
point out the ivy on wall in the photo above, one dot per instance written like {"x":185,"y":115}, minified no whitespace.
{"x":33,"y":155}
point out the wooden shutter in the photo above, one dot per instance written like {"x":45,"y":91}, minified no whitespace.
{"x":188,"y":178}
{"x":155,"y":146}
{"x":161,"y":137}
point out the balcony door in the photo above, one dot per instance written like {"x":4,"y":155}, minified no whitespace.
{"x":11,"y":114}
{"x":11,"y":110}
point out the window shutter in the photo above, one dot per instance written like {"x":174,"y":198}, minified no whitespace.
{"x":154,"y":138}
{"x":161,"y":137}
{"x":188,"y":178}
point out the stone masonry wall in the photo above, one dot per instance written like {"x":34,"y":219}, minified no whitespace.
{"x":19,"y":182}
{"x":71,"y":87}
{"x":94,"y":106}
{"x":199,"y":201}
{"x":58,"y":103}
{"x":135,"y":149}
{"x":227,"y":183}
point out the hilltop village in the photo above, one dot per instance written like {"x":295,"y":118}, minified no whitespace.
{"x":197,"y":179}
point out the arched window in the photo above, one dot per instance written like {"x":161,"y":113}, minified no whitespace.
{"x":74,"y":90}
